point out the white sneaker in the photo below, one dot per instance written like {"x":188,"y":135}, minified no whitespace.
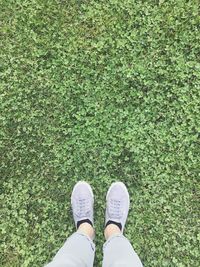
{"x":118,"y":203}
{"x":82,"y":201}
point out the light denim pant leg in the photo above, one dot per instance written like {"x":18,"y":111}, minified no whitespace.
{"x":118,"y":252}
{"x":78,"y":251}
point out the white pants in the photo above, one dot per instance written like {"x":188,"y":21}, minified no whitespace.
{"x":79,"y":250}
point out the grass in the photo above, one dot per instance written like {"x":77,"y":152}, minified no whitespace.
{"x":99,"y":91}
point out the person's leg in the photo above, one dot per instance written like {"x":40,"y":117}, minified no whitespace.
{"x":118,"y":251}
{"x":79,"y":249}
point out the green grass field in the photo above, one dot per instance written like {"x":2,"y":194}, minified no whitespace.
{"x":100,"y":91}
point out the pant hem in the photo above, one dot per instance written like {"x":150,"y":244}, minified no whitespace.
{"x":88,"y":238}
{"x":111,"y":238}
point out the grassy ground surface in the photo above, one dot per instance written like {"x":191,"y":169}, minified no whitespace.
{"x":100,"y":91}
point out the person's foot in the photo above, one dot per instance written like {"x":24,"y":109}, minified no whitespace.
{"x":82,"y":201}
{"x":117,"y":208}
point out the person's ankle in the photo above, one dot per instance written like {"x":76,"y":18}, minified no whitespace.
{"x":110,"y":230}
{"x":87,"y":229}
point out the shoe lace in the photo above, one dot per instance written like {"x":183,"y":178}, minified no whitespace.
{"x":82,"y":207}
{"x":115,"y":208}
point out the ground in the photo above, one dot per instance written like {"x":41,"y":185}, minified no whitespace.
{"x":100,"y":91}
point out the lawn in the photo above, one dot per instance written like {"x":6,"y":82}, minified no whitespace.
{"x":100,"y":91}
